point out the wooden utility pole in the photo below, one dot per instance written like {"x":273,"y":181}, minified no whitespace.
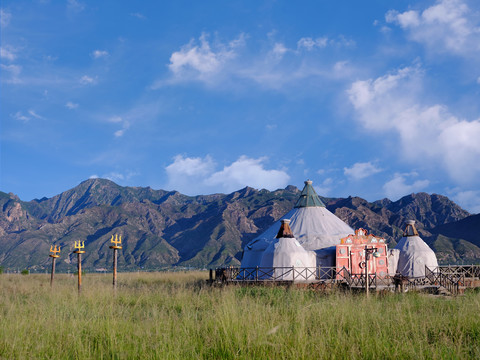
{"x":79,"y":246}
{"x":368,"y":252}
{"x":116,"y":246}
{"x":54,"y":251}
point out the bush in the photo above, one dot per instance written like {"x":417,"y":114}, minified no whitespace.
{"x":25,"y":272}
{"x":1,"y":269}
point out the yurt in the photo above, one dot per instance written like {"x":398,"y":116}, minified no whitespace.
{"x":284,"y":254}
{"x":315,"y":228}
{"x":393,"y":255}
{"x":414,"y":253}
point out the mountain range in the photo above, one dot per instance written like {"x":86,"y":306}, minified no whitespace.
{"x":161,"y":229}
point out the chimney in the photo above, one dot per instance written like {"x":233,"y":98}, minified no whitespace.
{"x":410,"y":229}
{"x":285,"y":231}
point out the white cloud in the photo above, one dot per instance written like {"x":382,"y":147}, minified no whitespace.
{"x":119,"y":177}
{"x":185,"y":166}
{"x":248,"y":172}
{"x":279,"y":50}
{"x":121,"y":132}
{"x":7,"y":53}
{"x":115,"y":119}
{"x":197,"y":175}
{"x":119,"y":120}
{"x":478,"y":80}
{"x":14,"y":71}
{"x":75,"y":5}
{"x":361,"y":170}
{"x":397,"y":187}
{"x":309,"y":44}
{"x":446,"y":26}
{"x":468,"y":199}
{"x":87,"y":80}
{"x":5,"y":18}
{"x":99,"y":54}
{"x":138,"y":15}
{"x":391,"y":104}
{"x":20,"y":116}
{"x":71,"y":105}
{"x":201,"y":61}
{"x":222,"y":64}
{"x":35,"y":115}
{"x":93,"y":176}
{"x":187,"y":174}
{"x":325,"y":188}
{"x":140,"y":113}
{"x":114,"y":176}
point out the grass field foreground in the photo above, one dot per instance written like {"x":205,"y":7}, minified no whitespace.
{"x":177,"y":316}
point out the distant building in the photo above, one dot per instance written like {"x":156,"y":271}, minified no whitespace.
{"x":414,"y":253}
{"x":351,"y":254}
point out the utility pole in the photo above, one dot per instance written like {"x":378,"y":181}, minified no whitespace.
{"x":54,"y":255}
{"x":116,"y":246}
{"x":79,"y":246}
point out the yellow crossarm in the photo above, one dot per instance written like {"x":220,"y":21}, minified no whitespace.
{"x":55,"y":250}
{"x":116,"y":240}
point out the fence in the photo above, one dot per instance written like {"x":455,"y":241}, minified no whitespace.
{"x":451,"y":277}
{"x":273,"y":274}
{"x":298,"y":274}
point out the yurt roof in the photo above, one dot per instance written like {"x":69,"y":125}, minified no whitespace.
{"x":308,"y":197}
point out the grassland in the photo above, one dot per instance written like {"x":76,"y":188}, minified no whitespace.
{"x":176,"y":316}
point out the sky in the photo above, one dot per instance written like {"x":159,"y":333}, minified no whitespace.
{"x":366,"y":98}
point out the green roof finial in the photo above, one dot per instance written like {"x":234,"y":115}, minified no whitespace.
{"x":308,"y":197}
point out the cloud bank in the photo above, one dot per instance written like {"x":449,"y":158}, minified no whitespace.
{"x":448,"y":26}
{"x":361,"y":170}
{"x":398,"y":186}
{"x":216,"y":62}
{"x":391,"y":104}
{"x":197,"y":175}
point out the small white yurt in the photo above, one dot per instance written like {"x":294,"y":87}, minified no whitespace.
{"x":414,"y":253}
{"x":284,"y":254}
{"x":314,"y":226}
{"x":392,"y":260}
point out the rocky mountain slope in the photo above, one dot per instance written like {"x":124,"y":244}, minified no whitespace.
{"x":163,"y":229}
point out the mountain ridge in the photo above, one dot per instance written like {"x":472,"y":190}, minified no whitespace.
{"x":166,"y":228}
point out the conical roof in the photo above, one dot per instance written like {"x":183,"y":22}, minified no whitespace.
{"x":285,"y":231}
{"x":414,"y":254}
{"x":308,"y":197}
{"x":410,"y":229}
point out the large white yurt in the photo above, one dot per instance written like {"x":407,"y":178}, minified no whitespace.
{"x":286,"y":253}
{"x":414,"y":253}
{"x":313,"y":225}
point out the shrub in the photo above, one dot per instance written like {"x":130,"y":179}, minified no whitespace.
{"x":25,"y":272}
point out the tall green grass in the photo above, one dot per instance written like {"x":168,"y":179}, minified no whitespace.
{"x":177,"y":316}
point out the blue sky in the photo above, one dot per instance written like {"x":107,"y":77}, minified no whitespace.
{"x":368,"y":98}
